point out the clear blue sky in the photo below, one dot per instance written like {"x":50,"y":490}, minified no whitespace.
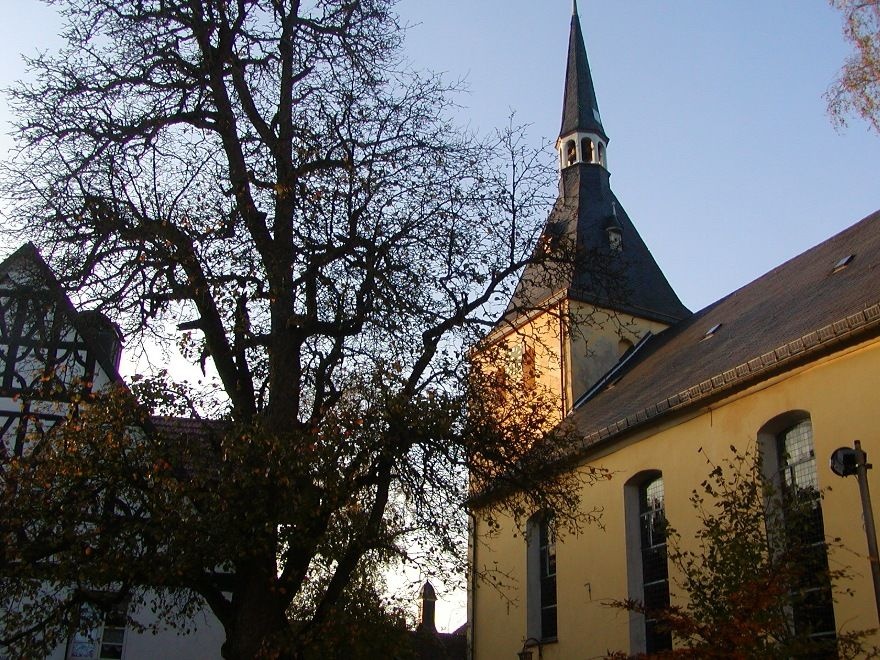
{"x":720,"y":150}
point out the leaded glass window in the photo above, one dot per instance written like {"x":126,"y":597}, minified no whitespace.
{"x":812,"y":602}
{"x":655,"y":572}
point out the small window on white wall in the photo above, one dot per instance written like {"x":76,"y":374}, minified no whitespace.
{"x":541,"y":577}
{"x":104,"y":641}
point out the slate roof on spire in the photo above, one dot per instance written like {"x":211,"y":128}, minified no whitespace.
{"x":580,"y":110}
{"x":575,"y":259}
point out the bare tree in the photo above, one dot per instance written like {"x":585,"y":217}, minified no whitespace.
{"x":271,"y":177}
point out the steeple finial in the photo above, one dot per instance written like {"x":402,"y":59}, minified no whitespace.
{"x":580,"y":110}
{"x":574,"y":7}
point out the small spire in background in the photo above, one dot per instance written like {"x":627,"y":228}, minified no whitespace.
{"x":429,"y":600}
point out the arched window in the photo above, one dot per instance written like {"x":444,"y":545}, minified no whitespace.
{"x":648,"y":571}
{"x":655,"y":572}
{"x":789,"y":462}
{"x":601,"y":152}
{"x":615,"y":239}
{"x":587,"y":150}
{"x":570,"y":153}
{"x":541,"y":577}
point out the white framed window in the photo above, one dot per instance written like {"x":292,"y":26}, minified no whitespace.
{"x":104,"y":641}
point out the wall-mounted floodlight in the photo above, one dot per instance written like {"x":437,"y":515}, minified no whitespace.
{"x":846,"y":462}
{"x":528,"y":645}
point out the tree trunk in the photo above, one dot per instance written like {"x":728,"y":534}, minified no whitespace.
{"x":258,"y":625}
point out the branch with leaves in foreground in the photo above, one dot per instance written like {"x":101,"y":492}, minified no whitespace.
{"x":750,"y":582}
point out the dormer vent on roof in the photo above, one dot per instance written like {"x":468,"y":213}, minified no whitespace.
{"x":711,"y":331}
{"x":842,"y":263}
{"x":614,"y":230}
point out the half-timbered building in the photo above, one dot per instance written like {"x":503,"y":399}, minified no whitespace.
{"x":51,"y":352}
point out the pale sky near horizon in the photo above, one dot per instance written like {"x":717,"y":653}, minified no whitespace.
{"x":721,"y":150}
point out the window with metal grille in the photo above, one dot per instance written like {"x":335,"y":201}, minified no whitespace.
{"x":655,"y":572}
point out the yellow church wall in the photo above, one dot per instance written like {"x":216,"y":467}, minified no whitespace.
{"x":841,"y":395}
{"x":573,"y":345}
{"x":593,"y":343}
{"x":538,"y":338}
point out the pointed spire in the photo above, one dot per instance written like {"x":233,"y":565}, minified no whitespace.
{"x":614,"y":268}
{"x":580,"y":110}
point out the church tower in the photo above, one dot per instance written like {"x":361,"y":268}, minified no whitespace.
{"x":594,"y":291}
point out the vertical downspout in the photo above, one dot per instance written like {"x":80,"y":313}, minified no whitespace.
{"x":563,"y":351}
{"x":472,"y":588}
